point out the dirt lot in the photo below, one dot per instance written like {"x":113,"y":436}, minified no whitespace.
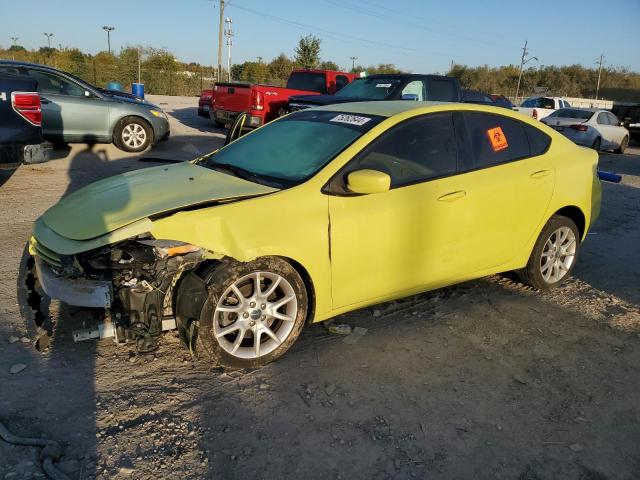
{"x":485,"y":380}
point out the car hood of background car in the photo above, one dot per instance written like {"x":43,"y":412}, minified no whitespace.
{"x":108,"y":204}
{"x":322,"y":99}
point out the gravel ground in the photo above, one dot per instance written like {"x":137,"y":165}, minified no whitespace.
{"x":484,"y":380}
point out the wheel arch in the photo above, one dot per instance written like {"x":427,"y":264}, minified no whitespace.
{"x":576,"y":215}
{"x":308,"y":283}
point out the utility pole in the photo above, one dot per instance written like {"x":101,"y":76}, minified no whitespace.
{"x":14,"y":40}
{"x":108,"y":30}
{"x":600,"y":61}
{"x":523,"y":61}
{"x":139,"y":72}
{"x":353,"y":62}
{"x":229,"y":33}
{"x":220,"y":31}
{"x":49,"y":35}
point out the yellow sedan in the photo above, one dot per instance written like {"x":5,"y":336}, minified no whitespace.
{"x":320,"y":212}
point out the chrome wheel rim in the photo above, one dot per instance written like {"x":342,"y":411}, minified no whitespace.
{"x":255,"y":314}
{"x":558,"y":254}
{"x":134,"y":135}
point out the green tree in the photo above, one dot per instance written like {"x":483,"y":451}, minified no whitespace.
{"x":329,"y":65}
{"x":308,"y":52}
{"x":280,"y":68}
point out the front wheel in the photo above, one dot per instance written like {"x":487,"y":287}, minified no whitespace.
{"x":132,"y":134}
{"x":623,"y":145}
{"x":254,"y":312}
{"x":554,"y":254}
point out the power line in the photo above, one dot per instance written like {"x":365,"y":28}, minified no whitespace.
{"x":398,"y":18}
{"x":342,"y":36}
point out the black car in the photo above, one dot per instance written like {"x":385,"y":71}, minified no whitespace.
{"x":20,"y":119}
{"x":630,"y":117}
{"x":403,"y":86}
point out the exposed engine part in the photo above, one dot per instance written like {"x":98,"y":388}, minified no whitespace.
{"x":50,"y":454}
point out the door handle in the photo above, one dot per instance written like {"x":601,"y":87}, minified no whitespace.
{"x":452,"y":196}
{"x":540,"y":174}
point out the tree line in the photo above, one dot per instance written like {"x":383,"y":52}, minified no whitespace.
{"x":162,"y":73}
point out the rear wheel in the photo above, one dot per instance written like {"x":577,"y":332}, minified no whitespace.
{"x":132,"y":134}
{"x":623,"y":145}
{"x":554,"y":254}
{"x":254,"y":313}
{"x":596,"y":144}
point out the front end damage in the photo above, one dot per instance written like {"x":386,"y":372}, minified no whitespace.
{"x":133,"y":281}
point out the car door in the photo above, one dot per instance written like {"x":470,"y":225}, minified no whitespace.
{"x":406,"y":238}
{"x":617,"y":132}
{"x":509,"y":183}
{"x":69,"y":111}
{"x":607,"y":131}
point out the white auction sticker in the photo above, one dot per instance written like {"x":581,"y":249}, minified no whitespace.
{"x":383,"y":85}
{"x":350,"y":119}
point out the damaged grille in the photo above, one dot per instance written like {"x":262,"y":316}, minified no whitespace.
{"x":49,"y":256}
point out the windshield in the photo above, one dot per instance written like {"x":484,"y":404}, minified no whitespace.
{"x":369,"y":88}
{"x":288,"y":151}
{"x":309,"y":81}
{"x":572,"y":113}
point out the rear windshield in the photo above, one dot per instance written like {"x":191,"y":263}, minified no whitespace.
{"x":370,"y":88}
{"x":308,"y":81}
{"x":572,"y":113}
{"x":288,"y":151}
{"x":539,"y":102}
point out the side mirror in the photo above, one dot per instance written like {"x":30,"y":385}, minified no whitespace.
{"x":409,"y":96}
{"x":87,"y":93}
{"x":621,"y":123}
{"x":368,"y":181}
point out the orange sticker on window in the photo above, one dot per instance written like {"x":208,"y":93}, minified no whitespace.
{"x":497,"y":138}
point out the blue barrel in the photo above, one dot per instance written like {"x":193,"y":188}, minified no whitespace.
{"x":138,"y":89}
{"x":114,"y":86}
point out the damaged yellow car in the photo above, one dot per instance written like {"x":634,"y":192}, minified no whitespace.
{"x":320,"y":212}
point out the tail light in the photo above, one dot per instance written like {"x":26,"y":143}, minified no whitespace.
{"x":257,"y":100}
{"x":580,"y":127}
{"x":27,"y":105}
{"x":535,"y":114}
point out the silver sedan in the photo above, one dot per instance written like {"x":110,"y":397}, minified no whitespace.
{"x":590,"y":127}
{"x":75,"y":111}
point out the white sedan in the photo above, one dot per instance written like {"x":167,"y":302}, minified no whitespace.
{"x":590,"y":127}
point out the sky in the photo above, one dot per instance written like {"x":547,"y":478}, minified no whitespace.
{"x":422,"y":36}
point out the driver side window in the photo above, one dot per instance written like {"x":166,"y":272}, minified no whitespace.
{"x":416,"y":150}
{"x":56,"y":85}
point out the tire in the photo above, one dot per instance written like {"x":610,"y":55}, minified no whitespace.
{"x":597,"y":143}
{"x":279,"y":321}
{"x":623,"y":145}
{"x":133,"y":134}
{"x":541,"y":267}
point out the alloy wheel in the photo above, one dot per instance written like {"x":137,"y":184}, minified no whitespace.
{"x":255,"y":314}
{"x":558,"y":254}
{"x":134,"y":135}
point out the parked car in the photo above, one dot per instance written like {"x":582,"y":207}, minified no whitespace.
{"x":540,"y":107}
{"x":630,"y":115}
{"x":20,"y":123}
{"x":204,"y":102}
{"x":263,"y":103}
{"x":590,"y":127}
{"x":501,"y":101}
{"x":473,"y":96}
{"x":318,"y":213}
{"x":75,"y":111}
{"x":402,"y":86}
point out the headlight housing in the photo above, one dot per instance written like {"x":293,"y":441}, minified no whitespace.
{"x":159,"y":114}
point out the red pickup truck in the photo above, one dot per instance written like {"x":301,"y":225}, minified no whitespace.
{"x":263,"y":103}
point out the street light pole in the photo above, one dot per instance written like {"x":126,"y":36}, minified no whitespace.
{"x":229,"y":33}
{"x":220,"y":30}
{"x":48,"y":35}
{"x":523,"y":61}
{"x":353,"y":62}
{"x":108,"y":30}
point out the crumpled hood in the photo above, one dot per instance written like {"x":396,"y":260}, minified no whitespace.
{"x":114,"y":202}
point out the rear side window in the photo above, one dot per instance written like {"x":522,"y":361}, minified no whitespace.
{"x":602,"y":119}
{"x":309,"y":81}
{"x":494,"y":139}
{"x":442,"y":91}
{"x":546,"y":103}
{"x":418,"y":149}
{"x":538,"y":140}
{"x":341,"y":81}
